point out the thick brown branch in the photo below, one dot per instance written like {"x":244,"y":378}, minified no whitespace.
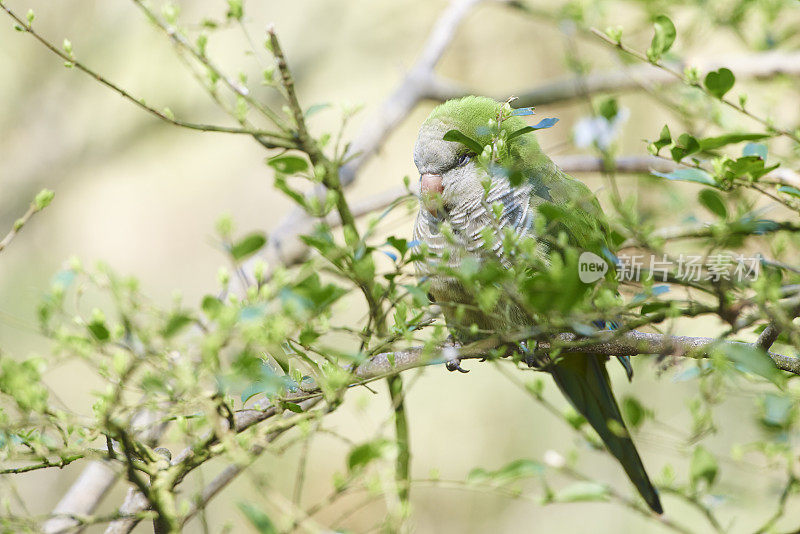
{"x":632,"y":343}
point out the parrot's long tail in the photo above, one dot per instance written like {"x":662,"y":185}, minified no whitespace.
{"x":584,"y":381}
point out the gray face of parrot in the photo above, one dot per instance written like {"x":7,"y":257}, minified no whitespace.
{"x":452,"y":191}
{"x":449,"y":179}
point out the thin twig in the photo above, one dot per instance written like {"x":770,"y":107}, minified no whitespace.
{"x":271,"y":139}
{"x":18,"y":224}
{"x":680,"y":76}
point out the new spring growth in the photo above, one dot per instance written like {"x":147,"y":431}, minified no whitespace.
{"x":43,"y":199}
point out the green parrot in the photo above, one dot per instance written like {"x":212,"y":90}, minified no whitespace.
{"x":459,"y":200}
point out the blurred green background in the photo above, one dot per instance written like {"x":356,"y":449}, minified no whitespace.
{"x":143,"y":197}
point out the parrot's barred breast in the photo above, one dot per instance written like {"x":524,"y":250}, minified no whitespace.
{"x":468,"y":221}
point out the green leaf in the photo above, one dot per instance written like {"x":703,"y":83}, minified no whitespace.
{"x":633,"y":411}
{"x":608,"y":108}
{"x":789,"y":190}
{"x":282,"y":185}
{"x":417,"y":294}
{"x":316,"y":108}
{"x":399,"y":244}
{"x":211,"y":306}
{"x":662,"y":39}
{"x":719,"y":82}
{"x":684,"y":146}
{"x":703,"y":467}
{"x":257,"y":518}
{"x":778,"y":411}
{"x":747,"y":165}
{"x":582,"y":492}
{"x":365,"y":453}
{"x":755,"y":149}
{"x":177,"y":322}
{"x":248,"y":246}
{"x":713,"y":201}
{"x":711,"y":143}
{"x":521,"y":131}
{"x":516,"y":470}
{"x":753,"y":360}
{"x":288,"y":163}
{"x":313,"y":295}
{"x":292,"y":407}
{"x":651,"y":307}
{"x":97,"y":326}
{"x":235,"y":9}
{"x":663,"y":140}
{"x":458,"y":137}
{"x":688,"y":175}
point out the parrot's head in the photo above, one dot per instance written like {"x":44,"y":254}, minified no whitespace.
{"x":449,"y":174}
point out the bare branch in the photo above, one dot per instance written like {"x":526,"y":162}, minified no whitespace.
{"x":94,"y":482}
{"x":266,"y":138}
{"x":419,"y":84}
{"x":768,"y":336}
{"x":698,"y":230}
{"x":82,"y":498}
{"x":18,"y":224}
{"x":754,"y":66}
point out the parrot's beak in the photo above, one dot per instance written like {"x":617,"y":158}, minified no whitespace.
{"x":431,"y":189}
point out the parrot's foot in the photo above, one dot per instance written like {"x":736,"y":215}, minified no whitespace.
{"x":455,"y":365}
{"x":529,"y":355}
{"x":450,"y":353}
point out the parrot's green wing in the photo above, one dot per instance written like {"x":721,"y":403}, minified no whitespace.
{"x":584,"y":381}
{"x":577,"y":211}
{"x":582,"y":218}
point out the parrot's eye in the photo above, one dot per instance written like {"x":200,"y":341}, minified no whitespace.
{"x":464,"y":159}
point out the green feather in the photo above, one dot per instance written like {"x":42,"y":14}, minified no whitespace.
{"x":584,"y":381}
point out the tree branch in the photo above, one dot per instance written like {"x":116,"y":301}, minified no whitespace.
{"x":633,"y":343}
{"x":267,"y":138}
{"x":419,"y":83}
{"x":754,"y":66}
{"x":679,"y":76}
{"x":135,"y":502}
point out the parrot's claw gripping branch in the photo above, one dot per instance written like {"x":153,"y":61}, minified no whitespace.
{"x":455,"y":365}
{"x":533,"y":359}
{"x":451,"y":355}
